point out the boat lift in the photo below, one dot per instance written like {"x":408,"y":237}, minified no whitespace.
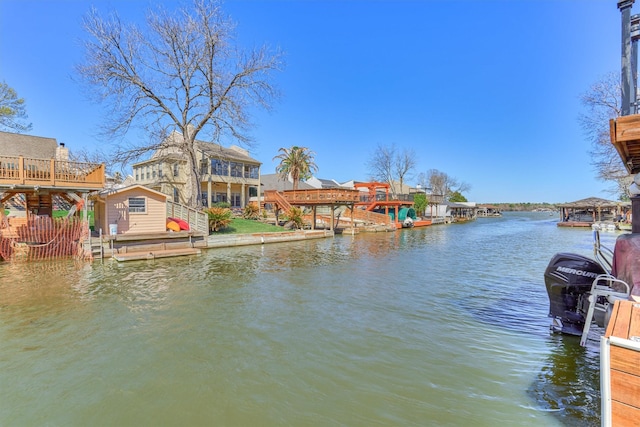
{"x":605,"y":290}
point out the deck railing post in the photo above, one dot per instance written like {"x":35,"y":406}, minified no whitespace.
{"x":21,"y":171}
{"x":52,"y":171}
{"x":635,"y":214}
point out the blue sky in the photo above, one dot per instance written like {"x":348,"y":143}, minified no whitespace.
{"x":485,"y":91}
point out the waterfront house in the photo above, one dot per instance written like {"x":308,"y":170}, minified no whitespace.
{"x":36,"y":176}
{"x":227,"y":174}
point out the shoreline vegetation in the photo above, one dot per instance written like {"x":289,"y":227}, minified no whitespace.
{"x":524,"y":207}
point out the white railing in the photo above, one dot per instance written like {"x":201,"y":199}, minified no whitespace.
{"x":198,"y":220}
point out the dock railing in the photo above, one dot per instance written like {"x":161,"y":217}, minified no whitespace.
{"x":198,"y":220}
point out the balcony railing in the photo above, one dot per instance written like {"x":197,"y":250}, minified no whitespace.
{"x":328,"y":195}
{"x":50,"y":173}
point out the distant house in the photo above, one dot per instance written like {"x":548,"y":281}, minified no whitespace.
{"x":227,"y":174}
{"x":323,"y":183}
{"x":273,"y":181}
{"x":134,"y":209}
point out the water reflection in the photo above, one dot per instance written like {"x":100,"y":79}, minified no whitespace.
{"x":568,"y":383}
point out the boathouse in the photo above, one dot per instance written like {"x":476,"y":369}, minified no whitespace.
{"x":133,"y":209}
{"x":586,"y":212}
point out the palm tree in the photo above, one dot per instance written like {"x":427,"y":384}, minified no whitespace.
{"x":296,"y":162}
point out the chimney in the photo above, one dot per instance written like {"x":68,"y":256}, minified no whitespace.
{"x":62,"y":153}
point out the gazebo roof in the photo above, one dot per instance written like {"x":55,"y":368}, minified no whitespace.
{"x":592,"y":202}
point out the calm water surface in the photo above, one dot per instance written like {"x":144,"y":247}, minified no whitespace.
{"x":439,"y":326}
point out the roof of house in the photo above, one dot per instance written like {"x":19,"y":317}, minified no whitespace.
{"x":171,"y":151}
{"x":328,"y":183}
{"x":274,"y":182}
{"x":35,"y":147}
{"x":136,"y":187}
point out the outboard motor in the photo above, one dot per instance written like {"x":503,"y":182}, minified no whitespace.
{"x":568,"y":279}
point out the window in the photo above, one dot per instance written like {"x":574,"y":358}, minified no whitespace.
{"x":176,"y":195}
{"x":160,"y":172}
{"x":253,"y":191}
{"x":219,"y":167}
{"x":235,"y":200}
{"x":175,"y":169}
{"x":236,"y":169}
{"x":204,"y":167}
{"x":251,"y":171}
{"x":137,"y":205}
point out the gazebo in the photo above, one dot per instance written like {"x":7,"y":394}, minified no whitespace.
{"x":585,"y":212}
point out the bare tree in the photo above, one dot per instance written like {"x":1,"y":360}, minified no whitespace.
{"x":381,"y":163}
{"x":405,"y":162}
{"x":387,"y":165}
{"x":602,"y":103}
{"x":443,"y":185}
{"x":12,"y":111}
{"x":96,"y":156}
{"x":182,"y":73}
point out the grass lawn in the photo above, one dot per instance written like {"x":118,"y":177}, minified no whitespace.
{"x":62,"y":214}
{"x":245,"y":226}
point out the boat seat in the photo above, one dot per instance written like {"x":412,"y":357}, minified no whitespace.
{"x":607,"y":286}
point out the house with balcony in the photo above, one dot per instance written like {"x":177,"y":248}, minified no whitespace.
{"x":36,"y":177}
{"x":226,"y":174}
{"x":36,"y":174}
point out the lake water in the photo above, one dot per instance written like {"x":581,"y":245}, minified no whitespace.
{"x":437,"y":326}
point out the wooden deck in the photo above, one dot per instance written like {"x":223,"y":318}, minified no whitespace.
{"x":153,"y":254}
{"x":319,"y":197}
{"x":620,"y":366}
{"x":625,"y":137}
{"x":50,"y":173}
{"x":575,"y":224}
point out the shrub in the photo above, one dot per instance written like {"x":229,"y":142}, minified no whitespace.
{"x":221,"y":205}
{"x":218,"y":218}
{"x":251,"y":211}
{"x":294,"y":216}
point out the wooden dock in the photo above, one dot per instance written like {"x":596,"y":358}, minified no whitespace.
{"x":620,"y":366}
{"x":154,"y":254}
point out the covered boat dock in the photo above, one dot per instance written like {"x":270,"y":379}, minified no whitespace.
{"x":586,"y":212}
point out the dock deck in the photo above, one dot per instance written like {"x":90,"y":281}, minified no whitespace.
{"x":620,"y":366}
{"x":154,"y":254}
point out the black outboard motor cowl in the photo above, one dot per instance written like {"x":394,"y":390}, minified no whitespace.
{"x":568,"y":279}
